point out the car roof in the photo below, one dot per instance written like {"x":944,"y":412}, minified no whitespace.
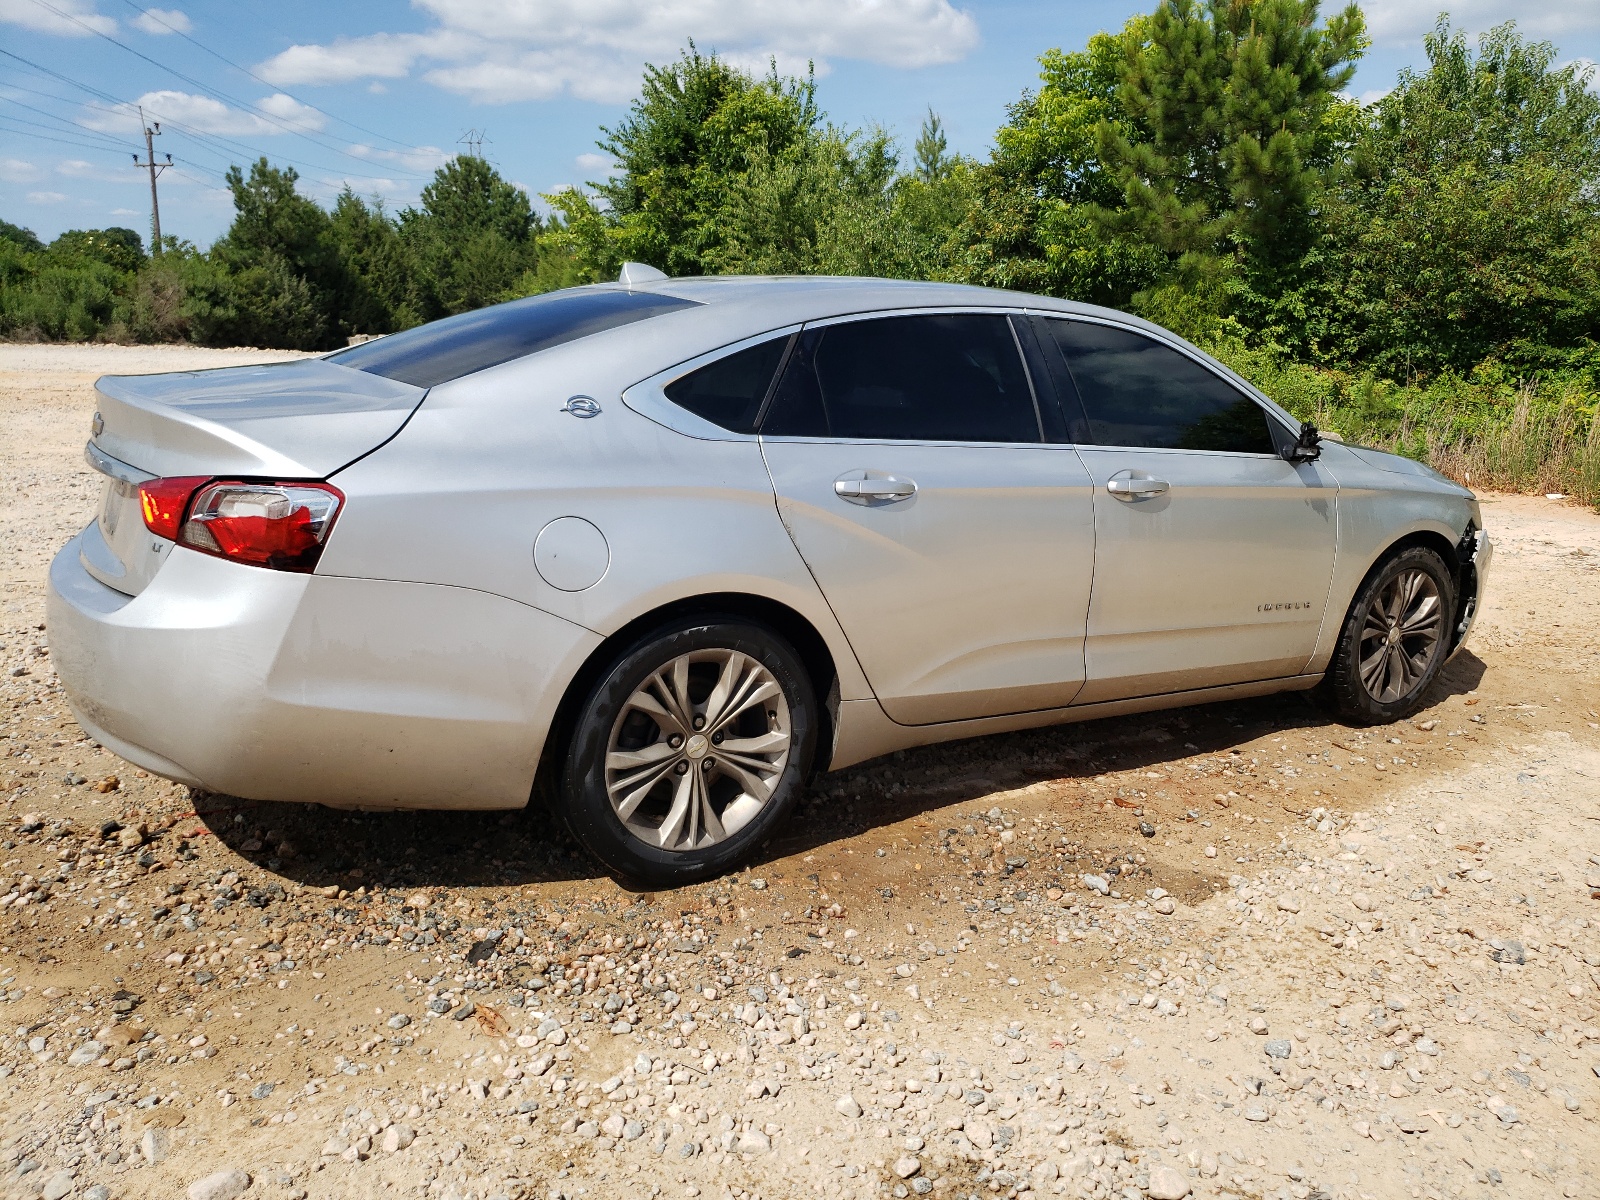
{"x":784,"y":299}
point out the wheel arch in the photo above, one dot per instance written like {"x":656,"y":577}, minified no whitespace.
{"x":807,"y":641}
{"x":1455,"y":561}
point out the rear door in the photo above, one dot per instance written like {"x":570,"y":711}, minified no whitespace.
{"x":1213,"y":554}
{"x":954,"y":544}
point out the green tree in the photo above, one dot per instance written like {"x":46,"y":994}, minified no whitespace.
{"x":1469,"y":225}
{"x":1229,"y":139}
{"x":471,"y":241}
{"x":698,"y":127}
{"x":1032,"y":222}
{"x":285,"y":267}
{"x":933,"y":160}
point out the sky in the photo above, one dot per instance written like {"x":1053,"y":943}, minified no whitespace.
{"x":377,"y":93}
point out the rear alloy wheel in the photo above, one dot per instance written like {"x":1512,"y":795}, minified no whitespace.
{"x":690,"y":751}
{"x":1394,"y":639}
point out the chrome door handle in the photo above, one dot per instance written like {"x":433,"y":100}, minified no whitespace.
{"x":1136,"y":487}
{"x":874,"y":489}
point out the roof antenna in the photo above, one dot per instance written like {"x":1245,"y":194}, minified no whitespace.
{"x":633,"y":274}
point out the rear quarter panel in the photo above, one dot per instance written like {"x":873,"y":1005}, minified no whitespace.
{"x":461,"y":495}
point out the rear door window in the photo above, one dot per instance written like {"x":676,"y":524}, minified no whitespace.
{"x":942,"y":377}
{"x":449,"y":348}
{"x":730,"y":391}
{"x":1137,"y":392}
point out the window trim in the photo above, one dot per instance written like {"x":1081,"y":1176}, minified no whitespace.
{"x":1276,"y":426}
{"x":649,"y":396}
{"x":991,"y":310}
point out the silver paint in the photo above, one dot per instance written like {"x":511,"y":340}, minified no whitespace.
{"x":958,"y":589}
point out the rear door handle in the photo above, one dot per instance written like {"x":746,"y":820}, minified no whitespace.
{"x":863,"y":490}
{"x":1136,"y":487}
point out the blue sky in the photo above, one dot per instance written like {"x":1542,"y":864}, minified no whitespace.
{"x":377,"y":93}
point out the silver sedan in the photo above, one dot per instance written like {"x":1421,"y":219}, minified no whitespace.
{"x":668,"y":547}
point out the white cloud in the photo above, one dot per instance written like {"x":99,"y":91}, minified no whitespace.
{"x":162,"y":21}
{"x":47,"y":197}
{"x":496,"y":51}
{"x":384,"y":55}
{"x":421,"y":159}
{"x":19,"y":170}
{"x":291,"y":112}
{"x":1393,"y":22}
{"x":595,"y":162}
{"x":74,"y":18}
{"x":210,"y":116}
{"x":126,"y":212}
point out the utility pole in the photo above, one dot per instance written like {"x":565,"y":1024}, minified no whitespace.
{"x":155,"y":169}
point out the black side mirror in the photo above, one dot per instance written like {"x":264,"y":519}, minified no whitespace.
{"x":1307,"y":447}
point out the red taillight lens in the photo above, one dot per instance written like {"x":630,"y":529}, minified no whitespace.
{"x":163,"y":502}
{"x":277,"y":525}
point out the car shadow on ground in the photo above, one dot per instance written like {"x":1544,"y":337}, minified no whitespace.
{"x":328,"y":848}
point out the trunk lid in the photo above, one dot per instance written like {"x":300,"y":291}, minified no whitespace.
{"x":283,"y":421}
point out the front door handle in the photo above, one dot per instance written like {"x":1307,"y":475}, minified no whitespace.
{"x":864,"y":490}
{"x":1136,"y":487}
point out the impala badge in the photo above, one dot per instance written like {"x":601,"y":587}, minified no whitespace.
{"x":581,"y":406}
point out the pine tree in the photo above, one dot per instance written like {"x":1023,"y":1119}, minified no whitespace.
{"x":1232,"y":99}
{"x":933,"y":159}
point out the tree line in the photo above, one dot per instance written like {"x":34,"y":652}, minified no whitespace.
{"x":1203,"y":167}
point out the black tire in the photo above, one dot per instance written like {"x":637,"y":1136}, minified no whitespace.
{"x":586,"y":801}
{"x":1399,"y":689}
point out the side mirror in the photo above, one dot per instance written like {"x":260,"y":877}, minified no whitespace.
{"x":1307,"y":447}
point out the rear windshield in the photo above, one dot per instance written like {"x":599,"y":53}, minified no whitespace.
{"x":455,"y":346}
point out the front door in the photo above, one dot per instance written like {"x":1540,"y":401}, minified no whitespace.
{"x":955,"y":546}
{"x":1213,"y":554}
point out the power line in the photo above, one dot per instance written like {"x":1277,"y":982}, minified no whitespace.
{"x":124,"y":107}
{"x":214,"y":93}
{"x":100,"y":133}
{"x":151,"y":13}
{"x":47,"y":138}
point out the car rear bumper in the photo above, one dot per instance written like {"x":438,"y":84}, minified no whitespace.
{"x":276,"y":686}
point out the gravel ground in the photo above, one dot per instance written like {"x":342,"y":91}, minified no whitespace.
{"x":1230,"y":951}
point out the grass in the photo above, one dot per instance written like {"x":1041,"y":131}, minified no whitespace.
{"x":1490,"y":430}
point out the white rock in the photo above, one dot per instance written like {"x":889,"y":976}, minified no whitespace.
{"x":846,"y":1105}
{"x":85,"y":1054}
{"x":1166,"y":906}
{"x":1167,"y":1183}
{"x":223,"y":1185}
{"x":754,"y":1142}
{"x":397,"y":1138}
{"x":58,"y":1186}
{"x":906,"y":1167}
{"x":1289,"y":904}
{"x":153,"y":1145}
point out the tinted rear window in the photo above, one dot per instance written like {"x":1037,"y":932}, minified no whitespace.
{"x":455,"y":346}
{"x":730,"y":391}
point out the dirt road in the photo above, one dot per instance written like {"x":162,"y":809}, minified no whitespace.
{"x":1229,"y":951}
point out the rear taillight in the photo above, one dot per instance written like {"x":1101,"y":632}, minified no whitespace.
{"x":277,"y":525}
{"x":163,"y":502}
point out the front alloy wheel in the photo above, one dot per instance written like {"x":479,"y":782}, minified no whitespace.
{"x":1394,"y":639}
{"x":1400,"y":637}
{"x":690,"y":750}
